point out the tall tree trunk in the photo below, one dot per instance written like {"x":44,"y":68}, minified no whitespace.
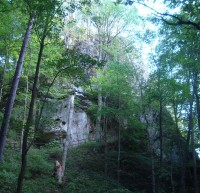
{"x":161,"y":133}
{"x":190,"y":120}
{"x":67,"y":140}
{"x":37,"y":124}
{"x":195,"y":93}
{"x":196,"y":86}
{"x":13,"y":90}
{"x":98,"y":133}
{"x":194,"y":158}
{"x":159,"y":184}
{"x":150,"y":143}
{"x":98,"y":120}
{"x":171,"y":173}
{"x":182,"y":151}
{"x":119,"y":155}
{"x":106,"y":146}
{"x":182,"y":178}
{"x":186,"y":149}
{"x":175,"y":112}
{"x":25,"y":105}
{"x":25,"y":114}
{"x":29,"y":121}
{"x":119,"y":137}
{"x":105,"y":129}
{"x":153,"y":173}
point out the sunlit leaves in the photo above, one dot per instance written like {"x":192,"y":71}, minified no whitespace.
{"x":116,"y":83}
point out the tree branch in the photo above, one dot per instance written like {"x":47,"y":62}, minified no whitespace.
{"x":179,"y":21}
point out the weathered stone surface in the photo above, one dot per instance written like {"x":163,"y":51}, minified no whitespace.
{"x":82,"y":128}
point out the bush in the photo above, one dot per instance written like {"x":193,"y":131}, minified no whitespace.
{"x":9,"y":171}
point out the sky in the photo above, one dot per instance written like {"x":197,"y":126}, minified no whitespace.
{"x":143,"y":11}
{"x":149,"y":48}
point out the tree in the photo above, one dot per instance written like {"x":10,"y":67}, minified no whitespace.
{"x":10,"y":31}
{"x":118,"y":96}
{"x":47,"y":13}
{"x":15,"y":82}
{"x":109,"y":22}
{"x":178,"y":53}
{"x":187,"y":16}
{"x":183,"y":18}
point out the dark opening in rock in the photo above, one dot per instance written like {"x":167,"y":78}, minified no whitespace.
{"x":63,"y":122}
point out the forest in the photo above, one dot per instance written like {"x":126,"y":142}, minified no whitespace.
{"x":99,"y":96}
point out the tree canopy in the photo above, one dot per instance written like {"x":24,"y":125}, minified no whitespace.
{"x":80,"y":109}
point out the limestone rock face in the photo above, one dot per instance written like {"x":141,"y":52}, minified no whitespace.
{"x":81,"y":129}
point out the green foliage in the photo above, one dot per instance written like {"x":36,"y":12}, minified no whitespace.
{"x":9,"y":170}
{"x":119,"y":191}
{"x":53,"y":150}
{"x":39,"y":176}
{"x":43,"y":185}
{"x":7,"y":181}
{"x":37,"y":162}
{"x":115,"y":84}
{"x":85,"y":183}
{"x":117,"y":80}
{"x":85,"y":171}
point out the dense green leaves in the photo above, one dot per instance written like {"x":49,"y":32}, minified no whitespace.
{"x":148,"y":143}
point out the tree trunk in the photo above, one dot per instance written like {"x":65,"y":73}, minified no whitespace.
{"x":185,"y":154}
{"x":105,"y":129}
{"x":25,"y":114}
{"x":171,"y":173}
{"x":13,"y":90}
{"x":196,"y":188}
{"x":159,"y":183}
{"x":25,"y":105}
{"x":29,"y":121}
{"x":195,"y":92}
{"x":182,"y":179}
{"x":190,"y":120}
{"x":119,"y":155}
{"x":153,"y":173}
{"x":161,"y":133}
{"x":37,"y":124}
{"x":175,"y":112}
{"x":106,"y":147}
{"x":98,"y":133}
{"x":67,"y":139}
{"x":119,"y":137}
{"x":182,"y":151}
{"x":98,"y":120}
{"x":150,"y":143}
{"x":196,"y":86}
